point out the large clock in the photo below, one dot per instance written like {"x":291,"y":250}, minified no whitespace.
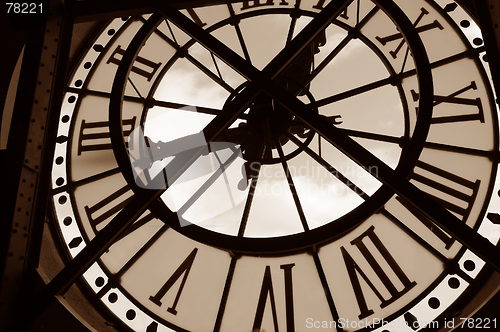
{"x":283,"y":166}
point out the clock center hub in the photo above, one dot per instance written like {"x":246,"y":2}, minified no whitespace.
{"x":267,"y":124}
{"x":268,"y":119}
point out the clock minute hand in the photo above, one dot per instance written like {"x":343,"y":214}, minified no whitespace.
{"x":181,"y":149}
{"x":298,"y":75}
{"x":161,"y":150}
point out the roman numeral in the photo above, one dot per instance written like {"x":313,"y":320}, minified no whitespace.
{"x":453,"y":99}
{"x":463,"y":193}
{"x":267,"y":291}
{"x":98,"y":213}
{"x":183,"y":269}
{"x":419,"y":29}
{"x":151,"y":67}
{"x":257,"y":3}
{"x":94,"y":136}
{"x":353,"y":269}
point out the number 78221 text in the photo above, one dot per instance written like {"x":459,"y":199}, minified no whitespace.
{"x":24,"y":8}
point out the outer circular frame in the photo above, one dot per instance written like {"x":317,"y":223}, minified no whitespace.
{"x":293,"y":242}
{"x":434,"y":290}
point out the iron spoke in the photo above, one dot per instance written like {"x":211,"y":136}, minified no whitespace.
{"x":291,"y":185}
{"x":332,"y":170}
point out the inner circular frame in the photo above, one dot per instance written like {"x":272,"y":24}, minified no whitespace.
{"x":326,"y":233}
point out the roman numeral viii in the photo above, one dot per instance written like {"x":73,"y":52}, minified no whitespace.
{"x":354,"y":269}
{"x":453,"y":192}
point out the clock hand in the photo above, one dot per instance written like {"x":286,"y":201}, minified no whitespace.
{"x":184,"y":107}
{"x":333,"y":119}
{"x":161,"y":150}
{"x":112,"y":231}
{"x":238,"y":135}
{"x":299,"y":128}
{"x":144,"y":152}
{"x":142,"y":199}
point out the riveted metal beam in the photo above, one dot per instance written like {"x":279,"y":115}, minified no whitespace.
{"x":29,"y":155}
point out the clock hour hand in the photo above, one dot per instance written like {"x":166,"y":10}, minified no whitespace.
{"x":239,"y":135}
{"x":144,"y":153}
{"x":161,"y":150}
{"x":333,"y":119}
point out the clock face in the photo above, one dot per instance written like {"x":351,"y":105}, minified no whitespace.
{"x":279,"y":140}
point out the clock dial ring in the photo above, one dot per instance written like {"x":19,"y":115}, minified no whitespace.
{"x":273,"y":275}
{"x":295,"y":241}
